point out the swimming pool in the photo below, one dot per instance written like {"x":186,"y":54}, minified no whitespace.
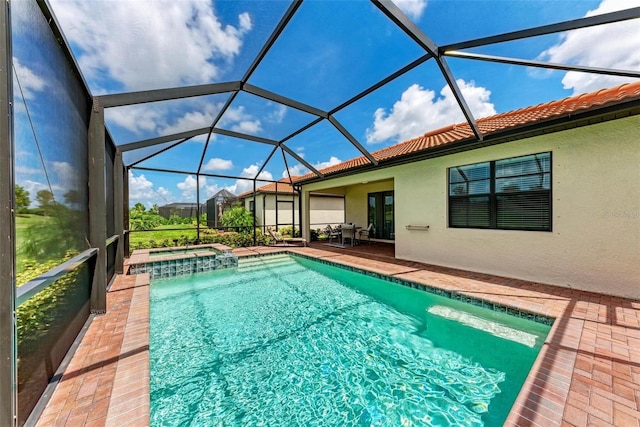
{"x":286,"y":341}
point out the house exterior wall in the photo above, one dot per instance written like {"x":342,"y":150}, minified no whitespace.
{"x":259,"y":213}
{"x":594,"y":244}
{"x":326,"y":210}
{"x":285,"y":213}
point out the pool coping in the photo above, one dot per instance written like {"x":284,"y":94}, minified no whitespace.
{"x":587,"y":371}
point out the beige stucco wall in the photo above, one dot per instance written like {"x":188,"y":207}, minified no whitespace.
{"x":595,"y":242}
{"x":259,"y":213}
{"x":357,"y":203}
{"x":285,"y":211}
{"x":326,"y":210}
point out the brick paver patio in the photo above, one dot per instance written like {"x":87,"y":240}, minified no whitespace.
{"x":587,"y":372}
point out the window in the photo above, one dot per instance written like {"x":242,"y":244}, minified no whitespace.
{"x":510,"y":194}
{"x":251,"y":206}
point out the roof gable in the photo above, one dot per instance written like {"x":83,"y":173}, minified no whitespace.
{"x":225,"y":194}
{"x":283,"y":188}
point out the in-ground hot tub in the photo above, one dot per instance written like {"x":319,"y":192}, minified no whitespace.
{"x":175,"y":261}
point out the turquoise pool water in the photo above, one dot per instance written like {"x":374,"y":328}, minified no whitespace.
{"x":292,"y":342}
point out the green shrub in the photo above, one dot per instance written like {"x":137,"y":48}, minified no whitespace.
{"x":286,"y":231}
{"x":238,"y":218}
{"x":46,"y":317}
{"x":207,"y":236}
{"x":36,"y":314}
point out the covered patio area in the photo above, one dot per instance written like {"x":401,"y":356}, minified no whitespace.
{"x":381,"y":251}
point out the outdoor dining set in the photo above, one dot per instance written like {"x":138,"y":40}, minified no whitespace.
{"x":349,"y":233}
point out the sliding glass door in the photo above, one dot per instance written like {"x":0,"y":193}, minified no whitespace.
{"x":381,"y":215}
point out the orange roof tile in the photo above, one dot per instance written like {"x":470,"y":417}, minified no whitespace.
{"x":493,"y":125}
{"x":283,"y":188}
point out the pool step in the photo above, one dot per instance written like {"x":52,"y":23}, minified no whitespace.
{"x":265,"y":261}
{"x":251,"y":264}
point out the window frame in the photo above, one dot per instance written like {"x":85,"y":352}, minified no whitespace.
{"x":493,"y":195}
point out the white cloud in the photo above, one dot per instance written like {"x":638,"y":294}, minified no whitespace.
{"x":245,"y":21}
{"x":192,"y":120}
{"x":139,"y":187}
{"x":65,"y":174}
{"x":278,"y":114}
{"x":418,"y":111}
{"x":412,"y":8}
{"x":62,"y":177}
{"x":161,"y":118}
{"x":604,"y":46}
{"x":150,"y":44}
{"x":32,"y":187}
{"x":142,"y":190}
{"x":296,"y":170}
{"x":244,"y":122}
{"x":252,"y":170}
{"x":251,"y":127}
{"x":299,"y":169}
{"x":244,"y":185}
{"x":217,"y":164}
{"x":333,"y":160}
{"x":190,"y":184}
{"x":30,"y":82}
{"x":137,"y":118}
{"x":164,"y":194}
{"x":25,"y":170}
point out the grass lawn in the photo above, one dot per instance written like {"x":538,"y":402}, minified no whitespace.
{"x":24,"y":222}
{"x":163,"y":232}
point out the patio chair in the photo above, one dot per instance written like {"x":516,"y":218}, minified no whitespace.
{"x":278,"y":238}
{"x":348,"y":233}
{"x":366,"y":233}
{"x":332,"y":233}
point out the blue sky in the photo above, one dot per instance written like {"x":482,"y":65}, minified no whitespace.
{"x":330,"y":51}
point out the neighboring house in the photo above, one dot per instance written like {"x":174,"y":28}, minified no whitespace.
{"x":551,"y":194}
{"x":325,"y":208}
{"x":217,"y":205}
{"x":182,"y":210}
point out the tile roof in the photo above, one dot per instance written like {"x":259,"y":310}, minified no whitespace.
{"x":494,"y":125}
{"x":283,"y":188}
